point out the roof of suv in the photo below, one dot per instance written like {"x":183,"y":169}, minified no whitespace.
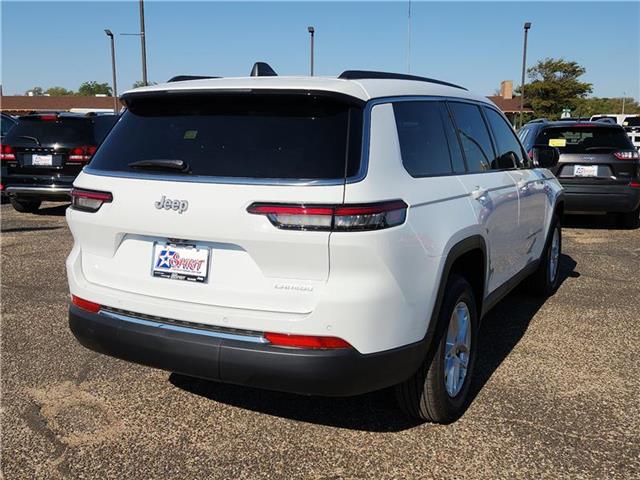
{"x":362,"y":88}
{"x":572,"y":123}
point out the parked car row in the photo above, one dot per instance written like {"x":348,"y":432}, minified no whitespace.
{"x":598,"y":168}
{"x":43,"y":153}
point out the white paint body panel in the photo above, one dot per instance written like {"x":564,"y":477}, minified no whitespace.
{"x":375,"y":289}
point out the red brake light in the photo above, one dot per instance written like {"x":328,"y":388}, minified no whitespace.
{"x":82,"y":154}
{"x":89,"y":200}
{"x":85,"y":304}
{"x":372,"y":216}
{"x":305,"y":341}
{"x":634,"y":184}
{"x":626,"y":155}
{"x":7,"y":153}
{"x":49,"y":118}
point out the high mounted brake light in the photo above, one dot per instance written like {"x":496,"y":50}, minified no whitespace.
{"x":338,"y":218}
{"x":89,"y":200}
{"x":626,"y":155}
{"x":7,"y":153}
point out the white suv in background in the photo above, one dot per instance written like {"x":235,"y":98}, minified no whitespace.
{"x":323,"y":236}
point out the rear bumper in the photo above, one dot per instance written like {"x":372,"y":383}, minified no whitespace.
{"x":601,"y":198}
{"x":242,"y":359}
{"x":48,"y":192}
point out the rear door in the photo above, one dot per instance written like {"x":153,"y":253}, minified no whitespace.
{"x":240,"y":149}
{"x":591,"y":154}
{"x":492,"y":190}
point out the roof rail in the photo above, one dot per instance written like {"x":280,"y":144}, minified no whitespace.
{"x":367,"y":74}
{"x":539,"y":120}
{"x":182,"y":78}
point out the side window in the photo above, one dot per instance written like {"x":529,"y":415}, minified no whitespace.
{"x":422,"y":138}
{"x":509,"y":148}
{"x":457,"y":160}
{"x":474,"y":136}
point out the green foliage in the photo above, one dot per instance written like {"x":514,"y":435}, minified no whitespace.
{"x":59,"y":92}
{"x":94,"y":88}
{"x":554,"y":85}
{"x":140,"y":83}
{"x":37,"y":91}
{"x":586,"y":107}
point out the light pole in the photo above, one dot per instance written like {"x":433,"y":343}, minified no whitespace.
{"x":143,"y":44}
{"x":624,"y":97}
{"x":312,"y":32}
{"x":527,"y":26}
{"x":113,"y":70}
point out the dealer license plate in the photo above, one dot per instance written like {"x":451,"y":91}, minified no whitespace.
{"x":180,"y":262}
{"x":42,"y":160}
{"x":585,"y":170}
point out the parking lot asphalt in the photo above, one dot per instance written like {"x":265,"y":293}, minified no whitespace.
{"x":556,"y":391}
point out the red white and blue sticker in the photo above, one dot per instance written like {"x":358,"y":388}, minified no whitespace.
{"x":180,"y":262}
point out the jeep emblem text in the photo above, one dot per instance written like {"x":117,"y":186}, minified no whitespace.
{"x":168,"y":204}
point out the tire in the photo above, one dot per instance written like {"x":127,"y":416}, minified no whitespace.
{"x":25,"y":206}
{"x":546,"y":279}
{"x":426,"y":395}
{"x":631,"y":219}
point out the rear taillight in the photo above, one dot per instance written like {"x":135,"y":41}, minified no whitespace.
{"x":305,"y":341}
{"x":626,"y":155}
{"x":49,"y":118}
{"x":89,"y":200}
{"x":7,"y":153}
{"x":85,"y":304}
{"x":341,"y":218}
{"x":82,"y":154}
{"x":634,"y":184}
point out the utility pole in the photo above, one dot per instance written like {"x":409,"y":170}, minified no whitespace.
{"x":113,"y":70}
{"x":143,"y":44}
{"x":312,"y":32}
{"x":527,"y":26}
{"x":409,"y":39}
{"x":624,"y":97}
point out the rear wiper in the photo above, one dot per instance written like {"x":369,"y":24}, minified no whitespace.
{"x":162,"y":164}
{"x":31,"y":138}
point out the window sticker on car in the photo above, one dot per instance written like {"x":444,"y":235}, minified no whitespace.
{"x":190,"y":134}
{"x":557,"y":142}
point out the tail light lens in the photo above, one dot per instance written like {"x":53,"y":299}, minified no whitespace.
{"x":626,"y":155}
{"x":85,"y":304}
{"x":305,"y":341}
{"x":89,"y":200}
{"x":82,"y":154}
{"x":340,"y":218}
{"x":7,"y":153}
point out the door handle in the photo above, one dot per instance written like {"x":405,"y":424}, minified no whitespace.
{"x":478,"y":193}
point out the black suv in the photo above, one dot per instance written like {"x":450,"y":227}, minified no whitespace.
{"x":598,"y":168}
{"x":42,"y":155}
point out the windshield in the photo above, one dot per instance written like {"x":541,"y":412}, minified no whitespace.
{"x":585,"y":139}
{"x":243,"y":135}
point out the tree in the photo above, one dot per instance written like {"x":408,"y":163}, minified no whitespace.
{"x":37,"y":91}
{"x":554,"y":85}
{"x":140,"y":83}
{"x":94,"y":88}
{"x":587,"y":107}
{"x":59,"y":92}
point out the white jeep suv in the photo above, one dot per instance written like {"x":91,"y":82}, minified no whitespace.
{"x":323,"y":236}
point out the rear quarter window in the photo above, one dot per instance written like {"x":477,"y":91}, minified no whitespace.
{"x":259,"y":136}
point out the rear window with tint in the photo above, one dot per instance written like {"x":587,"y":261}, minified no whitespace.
{"x":631,"y":122}
{"x":585,"y":139}
{"x":64,"y":131}
{"x":263,"y":136}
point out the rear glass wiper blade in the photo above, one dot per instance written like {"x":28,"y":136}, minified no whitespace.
{"x":162,"y":164}
{"x":28,"y":137}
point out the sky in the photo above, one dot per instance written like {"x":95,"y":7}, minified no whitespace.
{"x":475,"y":44}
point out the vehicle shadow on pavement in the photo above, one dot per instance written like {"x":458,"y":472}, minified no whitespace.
{"x":501,"y":331}
{"x":27,"y":229}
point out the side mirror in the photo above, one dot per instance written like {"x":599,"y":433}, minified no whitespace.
{"x":545,"y":156}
